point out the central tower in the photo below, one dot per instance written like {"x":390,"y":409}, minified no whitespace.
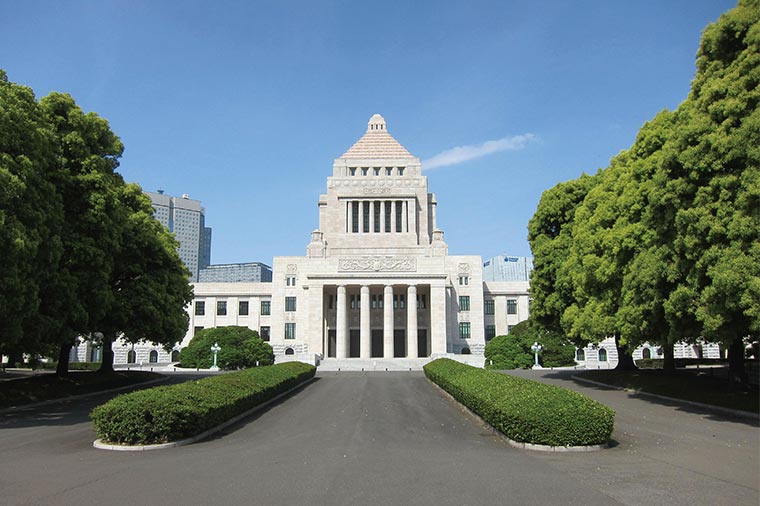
{"x":377,"y":202}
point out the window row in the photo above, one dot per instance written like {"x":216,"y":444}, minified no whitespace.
{"x":376,"y":216}
{"x":375,"y":171}
{"x":243,"y":308}
{"x":376,"y":301}
{"x":489,"y":306}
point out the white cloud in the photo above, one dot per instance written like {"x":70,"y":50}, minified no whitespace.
{"x":461,"y":154}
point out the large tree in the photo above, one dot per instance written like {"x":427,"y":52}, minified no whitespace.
{"x":85,"y":174}
{"x":31,"y":217}
{"x":149,"y":284}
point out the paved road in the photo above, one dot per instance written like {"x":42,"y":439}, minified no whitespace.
{"x":666,"y":453}
{"x":348,"y":438}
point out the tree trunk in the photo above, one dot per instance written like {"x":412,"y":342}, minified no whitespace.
{"x":625,"y":357}
{"x":63,"y":359}
{"x":668,"y":357}
{"x":14,"y":357}
{"x":736,"y":373}
{"x":107,"y":365}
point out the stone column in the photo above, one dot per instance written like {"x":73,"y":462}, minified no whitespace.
{"x":388,"y":322}
{"x":393,"y":216}
{"x":413,"y":217}
{"x":361,"y":217}
{"x":371,"y":217}
{"x":405,"y":216}
{"x":411,"y":321}
{"x":438,"y":319}
{"x":341,"y":324}
{"x":350,"y":216}
{"x":365,"y":340}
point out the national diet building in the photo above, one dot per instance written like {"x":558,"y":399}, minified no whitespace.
{"x":377,"y":282}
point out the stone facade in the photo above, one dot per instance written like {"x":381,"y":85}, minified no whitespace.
{"x":377,"y":280}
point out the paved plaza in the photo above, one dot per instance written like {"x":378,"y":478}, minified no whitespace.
{"x":382,"y":438}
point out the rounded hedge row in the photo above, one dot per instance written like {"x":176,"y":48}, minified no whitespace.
{"x":170,"y":413}
{"x":523,"y":410}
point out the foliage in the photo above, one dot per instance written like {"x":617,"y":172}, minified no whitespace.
{"x":31,"y":217}
{"x":73,"y":366}
{"x":241,"y":347}
{"x":523,"y":410}
{"x":171,"y":413}
{"x":514,"y":350}
{"x":665,"y":244}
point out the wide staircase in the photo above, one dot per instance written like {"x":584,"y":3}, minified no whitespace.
{"x":379,"y":364}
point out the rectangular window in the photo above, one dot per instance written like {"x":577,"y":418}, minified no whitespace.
{"x":389,"y":171}
{"x":221,"y":308}
{"x":400,"y":171}
{"x":464,"y":330}
{"x":364,"y":171}
{"x":509,"y":329}
{"x":489,"y":309}
{"x":264,"y":333}
{"x":464,"y":280}
{"x":290,"y":281}
{"x":365,"y":225}
{"x":374,"y":301}
{"x":200,"y":308}
{"x":490,"y":332}
{"x":329,"y":302}
{"x":511,"y":306}
{"x":399,"y":210}
{"x":376,"y":171}
{"x":387,"y":215}
{"x":290,"y":303}
{"x":352,"y":301}
{"x":395,"y":302}
{"x":464,"y":302}
{"x":376,"y":214}
{"x":243,"y":308}
{"x":354,"y":217}
{"x":266,"y":308}
{"x":422,"y":301}
{"x":196,"y":330}
{"x":352,"y":171}
{"x":290,"y":331}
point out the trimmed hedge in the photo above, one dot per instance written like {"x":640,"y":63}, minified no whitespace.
{"x":524,"y":410}
{"x":73,"y":366}
{"x":170,"y":413}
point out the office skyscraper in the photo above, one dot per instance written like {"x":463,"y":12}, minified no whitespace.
{"x":186,"y":219}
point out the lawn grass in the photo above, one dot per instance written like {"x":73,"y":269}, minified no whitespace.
{"x":48,"y":386}
{"x":686,"y":385}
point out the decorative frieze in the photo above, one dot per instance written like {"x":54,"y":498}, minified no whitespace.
{"x":377,"y":264}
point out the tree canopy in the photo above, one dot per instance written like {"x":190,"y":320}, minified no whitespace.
{"x":241,"y":348}
{"x":665,"y":245}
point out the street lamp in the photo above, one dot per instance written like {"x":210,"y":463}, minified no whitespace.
{"x":216,"y":349}
{"x":536,"y":348}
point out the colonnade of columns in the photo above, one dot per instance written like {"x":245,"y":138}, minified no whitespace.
{"x":342,"y":334}
{"x":385,"y":216}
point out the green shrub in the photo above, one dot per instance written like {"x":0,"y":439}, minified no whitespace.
{"x":171,"y":413}
{"x":513,"y":351}
{"x":73,"y":366}
{"x":657,"y":363}
{"x":241,"y":347}
{"x":525,"y":411}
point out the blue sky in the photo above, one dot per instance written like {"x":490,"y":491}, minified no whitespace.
{"x":245,"y":105}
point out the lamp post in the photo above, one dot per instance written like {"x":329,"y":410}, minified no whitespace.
{"x":215,"y":349}
{"x":536,"y":348}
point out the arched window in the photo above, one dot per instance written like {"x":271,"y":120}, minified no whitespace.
{"x":646,"y":353}
{"x":580,"y":355}
{"x":290,"y":351}
{"x":466,"y":351}
{"x":95,"y":354}
{"x":153,"y":357}
{"x":175,"y":355}
{"x":131,"y":357}
{"x":602,"y":355}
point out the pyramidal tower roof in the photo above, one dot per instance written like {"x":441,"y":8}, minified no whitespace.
{"x":377,"y":143}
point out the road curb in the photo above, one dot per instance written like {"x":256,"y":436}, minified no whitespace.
{"x":518,"y":444}
{"x":100,"y":445}
{"x":82,"y":396}
{"x":718,"y":409}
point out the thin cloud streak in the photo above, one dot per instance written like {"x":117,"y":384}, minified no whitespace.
{"x":461,"y":154}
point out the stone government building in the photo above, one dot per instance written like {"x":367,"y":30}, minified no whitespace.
{"x":377,"y":282}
